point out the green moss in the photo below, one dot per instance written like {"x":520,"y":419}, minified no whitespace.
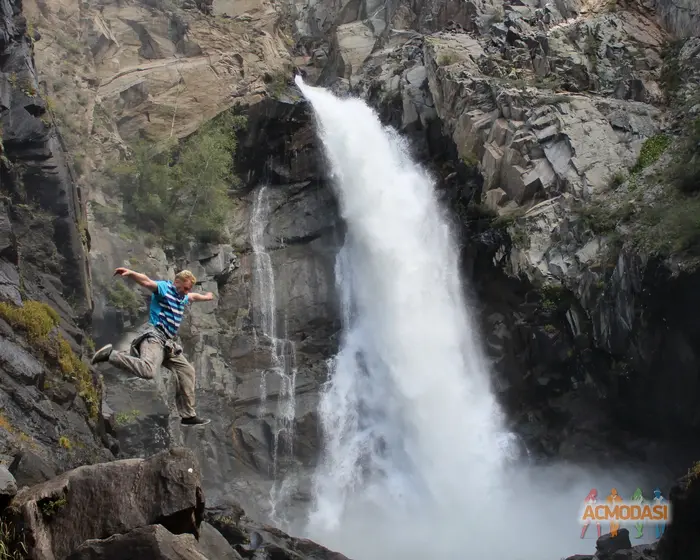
{"x":447,"y":58}
{"x":652,"y":149}
{"x":64,"y":442}
{"x":76,"y":370}
{"x":38,"y":319}
{"x":550,"y":329}
{"x":126,"y":417}
{"x":35,"y":318}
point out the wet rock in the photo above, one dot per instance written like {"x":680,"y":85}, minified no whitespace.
{"x":607,"y":545}
{"x":213,"y":545}
{"x":29,"y":469}
{"x":152,"y":541}
{"x":246,"y":535}
{"x":681,"y":538}
{"x":100,"y":500}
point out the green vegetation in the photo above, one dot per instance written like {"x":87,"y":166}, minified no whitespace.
{"x":447,"y":58}
{"x":64,"y":442}
{"x":49,"y":506}
{"x":277,"y":83}
{"x":38,"y":320}
{"x":694,"y":471}
{"x":122,"y":298}
{"x":553,"y":298}
{"x":617,"y":179}
{"x":671,"y":77}
{"x":76,"y":370}
{"x":652,"y":149}
{"x":126,"y":417}
{"x":182,"y":193}
{"x":12,"y":545}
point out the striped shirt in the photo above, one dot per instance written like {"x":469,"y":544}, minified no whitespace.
{"x":167,"y":307}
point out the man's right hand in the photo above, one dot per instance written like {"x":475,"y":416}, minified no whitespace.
{"x":121,"y":271}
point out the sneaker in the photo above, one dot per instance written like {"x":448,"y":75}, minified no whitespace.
{"x":195,"y":421}
{"x":102,"y":355}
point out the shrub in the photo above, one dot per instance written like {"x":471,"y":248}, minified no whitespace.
{"x":671,"y":226}
{"x":651,"y":151}
{"x":122,"y":298}
{"x":182,"y":193}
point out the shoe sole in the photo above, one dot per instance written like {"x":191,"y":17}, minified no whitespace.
{"x":94,"y":358}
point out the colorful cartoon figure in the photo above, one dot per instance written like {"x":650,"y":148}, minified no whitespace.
{"x":612,"y":499}
{"x":639,"y":498}
{"x":659,"y":499}
{"x":591,"y":499}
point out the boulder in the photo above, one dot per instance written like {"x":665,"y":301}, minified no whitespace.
{"x":28,"y":468}
{"x":213,"y":545}
{"x":154,"y":542}
{"x":607,"y":545}
{"x":97,"y":501}
{"x":681,"y":539}
{"x":8,"y":486}
{"x":246,"y":536}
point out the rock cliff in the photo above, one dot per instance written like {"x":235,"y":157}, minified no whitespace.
{"x":554,"y":130}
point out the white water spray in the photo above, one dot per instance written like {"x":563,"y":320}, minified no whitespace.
{"x":282,"y":350}
{"x":414,"y":463}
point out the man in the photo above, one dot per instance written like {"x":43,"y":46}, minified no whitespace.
{"x":157,"y":346}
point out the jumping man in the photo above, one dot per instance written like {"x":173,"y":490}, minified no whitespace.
{"x":157,"y":346}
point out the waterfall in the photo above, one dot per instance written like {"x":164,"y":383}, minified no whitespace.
{"x":416,"y":460}
{"x":283,"y":368}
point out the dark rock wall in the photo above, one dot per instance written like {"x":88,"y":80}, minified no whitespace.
{"x":49,"y":403}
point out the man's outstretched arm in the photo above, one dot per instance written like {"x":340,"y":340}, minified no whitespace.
{"x":201,"y":297}
{"x":140,"y":279}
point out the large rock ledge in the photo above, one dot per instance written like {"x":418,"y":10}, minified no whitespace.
{"x":136,"y":508}
{"x":96,"y":501}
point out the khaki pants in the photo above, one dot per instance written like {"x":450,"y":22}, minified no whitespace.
{"x":152,"y":357}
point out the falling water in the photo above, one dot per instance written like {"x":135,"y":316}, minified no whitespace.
{"x":282,"y":351}
{"x":416,"y":459}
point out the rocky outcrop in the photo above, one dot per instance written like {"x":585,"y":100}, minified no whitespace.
{"x":138,"y":508}
{"x":49,"y":398}
{"x":246,"y":536}
{"x":97,"y":501}
{"x":680,"y":540}
{"x":34,"y":171}
{"x":153,"y":541}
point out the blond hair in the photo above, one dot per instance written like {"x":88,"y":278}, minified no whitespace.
{"x":186,"y":275}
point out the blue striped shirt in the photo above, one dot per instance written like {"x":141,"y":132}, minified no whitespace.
{"x":167,"y":307}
